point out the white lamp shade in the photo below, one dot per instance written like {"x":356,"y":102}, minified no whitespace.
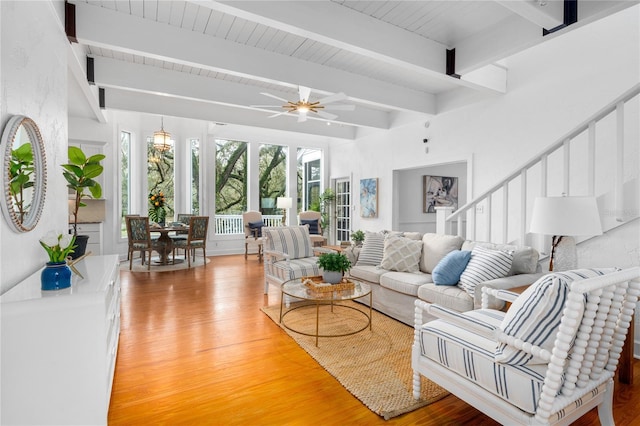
{"x":284,"y":202}
{"x":569,"y":216}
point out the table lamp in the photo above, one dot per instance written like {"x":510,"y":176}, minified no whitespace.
{"x":284,"y":203}
{"x":564,"y":218}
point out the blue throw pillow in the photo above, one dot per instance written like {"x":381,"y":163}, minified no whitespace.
{"x":313,"y":225}
{"x":258,"y":226}
{"x":449,"y":269}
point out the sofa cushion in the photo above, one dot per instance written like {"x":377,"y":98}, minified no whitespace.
{"x":485,"y":264}
{"x":292,"y":240}
{"x":535,"y":315}
{"x":452,"y":297}
{"x":525,"y":259}
{"x":401,"y":254}
{"x":313,"y":225}
{"x":404,"y":282}
{"x":449,"y":269}
{"x":435,"y":247}
{"x":372,"y":249}
{"x":367,"y":272}
{"x":296,"y":268}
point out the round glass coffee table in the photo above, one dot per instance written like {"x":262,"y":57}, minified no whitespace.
{"x":309,"y":298}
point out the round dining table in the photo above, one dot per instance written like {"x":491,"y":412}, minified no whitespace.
{"x":165,"y":246}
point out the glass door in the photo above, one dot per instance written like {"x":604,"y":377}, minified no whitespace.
{"x":343,"y":210}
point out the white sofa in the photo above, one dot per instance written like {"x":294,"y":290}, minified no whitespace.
{"x":394,"y":292}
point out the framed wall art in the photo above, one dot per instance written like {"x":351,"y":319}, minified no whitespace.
{"x":439,"y":191}
{"x":369,"y":197}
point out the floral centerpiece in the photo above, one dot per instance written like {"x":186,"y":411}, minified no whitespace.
{"x":157,"y":212}
{"x":58,"y":245}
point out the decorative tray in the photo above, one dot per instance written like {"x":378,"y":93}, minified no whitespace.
{"x":315,"y":283}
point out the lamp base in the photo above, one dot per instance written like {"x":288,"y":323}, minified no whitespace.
{"x":564,"y":255}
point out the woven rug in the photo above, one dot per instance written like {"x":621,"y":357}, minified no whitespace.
{"x":138,"y":267}
{"x":375,"y":366}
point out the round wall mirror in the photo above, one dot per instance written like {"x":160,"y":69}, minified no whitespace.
{"x":23,"y":180}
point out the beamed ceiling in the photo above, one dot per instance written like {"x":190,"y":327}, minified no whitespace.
{"x":211,"y":60}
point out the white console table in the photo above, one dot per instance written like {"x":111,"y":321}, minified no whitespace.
{"x":59,"y":348}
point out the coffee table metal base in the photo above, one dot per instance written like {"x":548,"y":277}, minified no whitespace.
{"x":317,"y":305}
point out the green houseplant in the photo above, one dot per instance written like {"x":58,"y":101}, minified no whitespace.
{"x":333,"y":265}
{"x":80,"y":173}
{"x":357,"y":237}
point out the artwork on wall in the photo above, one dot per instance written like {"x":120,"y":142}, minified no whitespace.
{"x":439,"y":191}
{"x":369,"y":197}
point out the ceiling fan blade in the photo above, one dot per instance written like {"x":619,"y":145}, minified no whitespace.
{"x":343,"y":107}
{"x":327,"y":115}
{"x":278,"y":114}
{"x":274,"y":97}
{"x":336,"y":97}
{"x":304,"y":93}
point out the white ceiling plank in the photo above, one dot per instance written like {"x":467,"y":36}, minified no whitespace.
{"x":137,"y":8}
{"x":163,"y":105}
{"x":548,"y":14}
{"x":202,"y":18}
{"x":116,"y":74}
{"x":109,"y":29}
{"x":176,"y":13}
{"x":189,"y":16}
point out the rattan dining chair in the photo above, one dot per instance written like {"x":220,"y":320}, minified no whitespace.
{"x":197,"y":238}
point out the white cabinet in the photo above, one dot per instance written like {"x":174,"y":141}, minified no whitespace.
{"x":94,"y":231}
{"x":59,"y":348}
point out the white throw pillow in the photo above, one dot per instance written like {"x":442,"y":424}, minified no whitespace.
{"x":435,"y":247}
{"x":372,"y":249}
{"x":535,"y":315}
{"x":485,"y":265}
{"x":401,"y":254}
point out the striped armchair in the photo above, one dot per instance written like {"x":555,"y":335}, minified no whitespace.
{"x":548,"y":360}
{"x":288,"y":254}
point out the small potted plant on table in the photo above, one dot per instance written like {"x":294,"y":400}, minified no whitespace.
{"x":333,"y":265}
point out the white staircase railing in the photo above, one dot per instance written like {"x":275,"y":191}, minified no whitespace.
{"x":573,"y":159}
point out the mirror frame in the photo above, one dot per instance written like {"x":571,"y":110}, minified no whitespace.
{"x":40,"y":179}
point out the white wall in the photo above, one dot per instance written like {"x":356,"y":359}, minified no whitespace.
{"x":551,"y":88}
{"x":33,"y":82}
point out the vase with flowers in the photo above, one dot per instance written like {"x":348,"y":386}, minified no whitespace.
{"x":157,"y":212}
{"x":56,"y":275}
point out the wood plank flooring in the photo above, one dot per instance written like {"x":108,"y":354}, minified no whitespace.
{"x":195,"y":349}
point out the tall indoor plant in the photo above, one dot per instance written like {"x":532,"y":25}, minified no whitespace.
{"x":80,"y":173}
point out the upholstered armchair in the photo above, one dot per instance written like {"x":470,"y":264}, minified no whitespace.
{"x":252,"y":223}
{"x":548,"y":360}
{"x":288,"y":254}
{"x":313,"y":220}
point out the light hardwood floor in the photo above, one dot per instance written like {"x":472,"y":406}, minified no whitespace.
{"x":196,"y":349}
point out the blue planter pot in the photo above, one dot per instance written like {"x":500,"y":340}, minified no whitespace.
{"x":55,"y":276}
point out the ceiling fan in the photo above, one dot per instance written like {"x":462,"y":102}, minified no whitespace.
{"x":305,"y":108}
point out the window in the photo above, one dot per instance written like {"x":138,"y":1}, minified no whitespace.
{"x":125,"y":182}
{"x":160,"y":176}
{"x":343,"y":210}
{"x":195,"y":176}
{"x":309,"y":177}
{"x":231,"y":177}
{"x":272,"y":169}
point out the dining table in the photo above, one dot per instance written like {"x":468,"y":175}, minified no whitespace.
{"x":165,"y":243}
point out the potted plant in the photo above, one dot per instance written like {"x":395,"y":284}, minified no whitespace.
{"x":357,"y":237}
{"x":80,"y":173}
{"x":333,"y":266}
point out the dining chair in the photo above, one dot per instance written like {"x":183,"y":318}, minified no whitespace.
{"x":182,"y":218}
{"x":139,"y":239}
{"x":127,"y":227}
{"x":253,"y":223}
{"x":196,"y":238}
{"x":314,"y":220}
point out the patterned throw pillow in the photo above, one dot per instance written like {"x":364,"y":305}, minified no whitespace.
{"x":372,"y":249}
{"x":535,"y":315}
{"x":401,"y":254}
{"x":313,"y":225}
{"x":484,"y":265}
{"x":449,"y":269}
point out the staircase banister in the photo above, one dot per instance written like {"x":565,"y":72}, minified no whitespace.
{"x":627,"y":95}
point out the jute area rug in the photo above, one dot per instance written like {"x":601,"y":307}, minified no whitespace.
{"x":138,"y":267}
{"x":375,"y":366}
